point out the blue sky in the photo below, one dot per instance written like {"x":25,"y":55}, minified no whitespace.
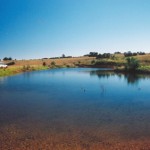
{"x":48,"y":28}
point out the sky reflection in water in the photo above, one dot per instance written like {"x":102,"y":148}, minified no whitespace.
{"x":76,"y":103}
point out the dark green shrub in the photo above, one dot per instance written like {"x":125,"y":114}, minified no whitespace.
{"x":93,"y":62}
{"x":7,"y":58}
{"x":26,"y":68}
{"x":132,"y":64}
{"x":53,"y":63}
{"x":11,"y":63}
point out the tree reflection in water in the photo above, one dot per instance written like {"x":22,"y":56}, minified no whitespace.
{"x":131,"y":78}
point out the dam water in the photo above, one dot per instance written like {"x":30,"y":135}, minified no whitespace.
{"x":75,"y":109}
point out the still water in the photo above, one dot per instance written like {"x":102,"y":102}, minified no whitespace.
{"x":75,"y":109}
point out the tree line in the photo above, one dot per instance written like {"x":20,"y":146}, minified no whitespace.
{"x":129,"y":53}
{"x":95,"y":54}
{"x":109,"y":55}
{"x":7,"y":58}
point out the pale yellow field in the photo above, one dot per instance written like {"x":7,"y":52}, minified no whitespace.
{"x":144,"y":59}
{"x":59,"y":62}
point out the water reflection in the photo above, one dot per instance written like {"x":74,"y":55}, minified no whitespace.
{"x":131,"y":78}
{"x":2,"y":80}
{"x":75,"y":109}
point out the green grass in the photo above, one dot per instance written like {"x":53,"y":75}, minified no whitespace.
{"x":109,"y":62}
{"x":15,"y":70}
{"x":8,"y":71}
{"x":145,"y":69}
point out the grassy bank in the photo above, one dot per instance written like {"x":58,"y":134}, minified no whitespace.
{"x":117,"y":62}
{"x":21,"y":66}
{"x":20,"y":69}
{"x":7,"y":72}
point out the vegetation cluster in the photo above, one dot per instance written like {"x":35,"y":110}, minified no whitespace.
{"x":129,"y":53}
{"x":7,"y":58}
{"x":131,"y":62}
{"x":127,"y":62}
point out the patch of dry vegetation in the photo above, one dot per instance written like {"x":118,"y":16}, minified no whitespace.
{"x":118,"y":60}
{"x":144,"y":59}
{"x":43,"y":64}
{"x":59,"y":62}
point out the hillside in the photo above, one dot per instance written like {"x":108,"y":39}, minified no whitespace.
{"x":116,"y":61}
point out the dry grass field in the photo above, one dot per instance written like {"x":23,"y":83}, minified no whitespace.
{"x":72,"y":62}
{"x":144,"y":59}
{"x":59,"y":62}
{"x":37,"y":64}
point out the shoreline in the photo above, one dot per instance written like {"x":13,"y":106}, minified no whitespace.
{"x":19,"y":69}
{"x":118,"y":70}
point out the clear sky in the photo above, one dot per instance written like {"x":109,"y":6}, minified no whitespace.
{"x":48,"y":28}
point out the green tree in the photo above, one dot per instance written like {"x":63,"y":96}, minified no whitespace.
{"x":7,"y":58}
{"x":63,"y":56}
{"x":132,"y":64}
